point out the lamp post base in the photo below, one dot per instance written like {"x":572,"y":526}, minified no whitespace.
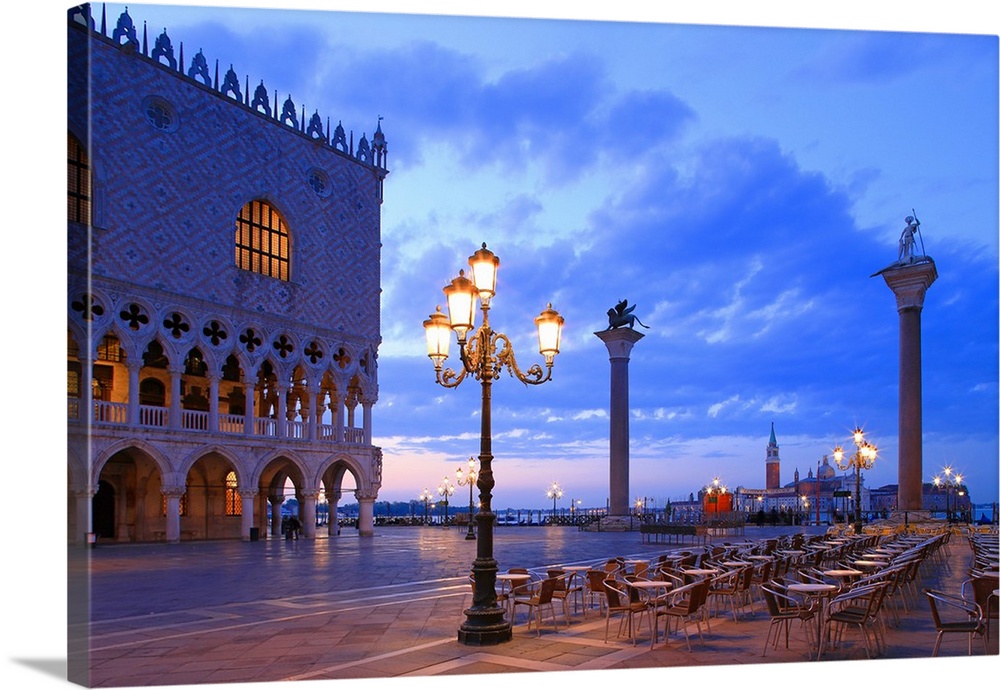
{"x":484,"y":627}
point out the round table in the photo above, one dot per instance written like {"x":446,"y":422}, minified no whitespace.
{"x":816,"y":590}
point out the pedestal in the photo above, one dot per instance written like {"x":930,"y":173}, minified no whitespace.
{"x":619,"y":342}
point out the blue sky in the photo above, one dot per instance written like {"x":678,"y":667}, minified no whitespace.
{"x":740,"y":185}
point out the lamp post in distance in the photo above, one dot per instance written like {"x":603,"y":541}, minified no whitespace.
{"x":469,"y":478}
{"x":446,"y":489}
{"x":863,"y":457}
{"x":426,"y":496}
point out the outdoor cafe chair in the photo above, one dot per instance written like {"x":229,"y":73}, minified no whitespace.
{"x":733,"y":585}
{"x":566,"y":588}
{"x":686,"y":604}
{"x":595,"y":588}
{"x":980,"y":590}
{"x":620,"y":603}
{"x":859,"y":606}
{"x":518,"y":586}
{"x":783,"y":610}
{"x":540,"y":598}
{"x":954,"y":614}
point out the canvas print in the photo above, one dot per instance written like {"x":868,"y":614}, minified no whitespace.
{"x":428,"y":346}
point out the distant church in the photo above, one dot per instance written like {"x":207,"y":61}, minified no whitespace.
{"x":223,"y":297}
{"x":806,"y":496}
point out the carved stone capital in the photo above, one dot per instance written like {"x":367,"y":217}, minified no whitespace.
{"x":619,"y":341}
{"x":909,"y":283}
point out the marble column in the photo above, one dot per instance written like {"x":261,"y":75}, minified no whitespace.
{"x":619,"y":342}
{"x":173,"y":521}
{"x":366,"y":514}
{"x":276,"y":502}
{"x":247,"y":498}
{"x":909,"y":283}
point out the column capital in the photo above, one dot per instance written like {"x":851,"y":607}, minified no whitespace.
{"x":909,"y":282}
{"x":619,"y":341}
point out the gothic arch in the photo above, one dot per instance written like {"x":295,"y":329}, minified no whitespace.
{"x":215,"y":449}
{"x":152,"y":452}
{"x":331,"y":473}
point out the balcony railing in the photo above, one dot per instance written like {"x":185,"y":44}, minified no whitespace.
{"x":117,"y":414}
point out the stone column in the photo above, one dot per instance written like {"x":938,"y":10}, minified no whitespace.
{"x":213,"y":402}
{"x":337,"y":411}
{"x":247,"y":502}
{"x":83,"y":510}
{"x":174,"y":418}
{"x":276,"y":502}
{"x":249,"y":411}
{"x":281,"y":412}
{"x":619,"y":342}
{"x":134,"y":367}
{"x":307,"y":514}
{"x":366,"y":407}
{"x":333,"y":500}
{"x":909,"y":282}
{"x":312,"y":415}
{"x":173,"y":522}
{"x":366,"y":514}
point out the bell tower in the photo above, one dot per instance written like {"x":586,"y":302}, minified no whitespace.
{"x":773,"y":463}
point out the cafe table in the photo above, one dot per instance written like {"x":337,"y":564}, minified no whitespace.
{"x":649,"y":590}
{"x":820,"y":592}
{"x":846,"y":574}
{"x":869,"y":564}
{"x":508,"y":581}
{"x":697,"y":573}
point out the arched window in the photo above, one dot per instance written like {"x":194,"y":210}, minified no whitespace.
{"x":78,"y":193}
{"x":262,"y":240}
{"x":234,"y":502}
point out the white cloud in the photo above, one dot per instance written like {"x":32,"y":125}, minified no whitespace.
{"x":590,"y":414}
{"x":714,"y":410}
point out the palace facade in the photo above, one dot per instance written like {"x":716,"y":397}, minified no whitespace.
{"x":223,"y":297}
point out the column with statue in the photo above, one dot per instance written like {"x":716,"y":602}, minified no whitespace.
{"x":619,"y":337}
{"x":908,"y":278}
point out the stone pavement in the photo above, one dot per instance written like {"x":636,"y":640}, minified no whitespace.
{"x":390,"y":606}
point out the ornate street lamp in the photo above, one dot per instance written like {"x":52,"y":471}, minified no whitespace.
{"x":951,"y":478}
{"x":554,"y":492}
{"x":445,"y":489}
{"x":469,"y":479}
{"x":484,"y":355}
{"x":426,"y":497}
{"x":863,"y":458}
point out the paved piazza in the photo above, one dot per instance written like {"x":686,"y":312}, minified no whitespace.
{"x":390,"y":606}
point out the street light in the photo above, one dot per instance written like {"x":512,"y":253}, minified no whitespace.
{"x":469,"y":479}
{"x":863,"y":458}
{"x":951,"y":478}
{"x":574,"y":503}
{"x":484,"y":355}
{"x":426,"y":496}
{"x":555,"y":493}
{"x":446,"y":489}
{"x":714,"y":491}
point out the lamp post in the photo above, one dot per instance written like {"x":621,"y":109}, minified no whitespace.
{"x":445,"y":489}
{"x":951,"y":478}
{"x":863,"y":458}
{"x":484,"y":355}
{"x":469,"y":478}
{"x":554,"y":492}
{"x":426,"y":497}
{"x":574,"y":503}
